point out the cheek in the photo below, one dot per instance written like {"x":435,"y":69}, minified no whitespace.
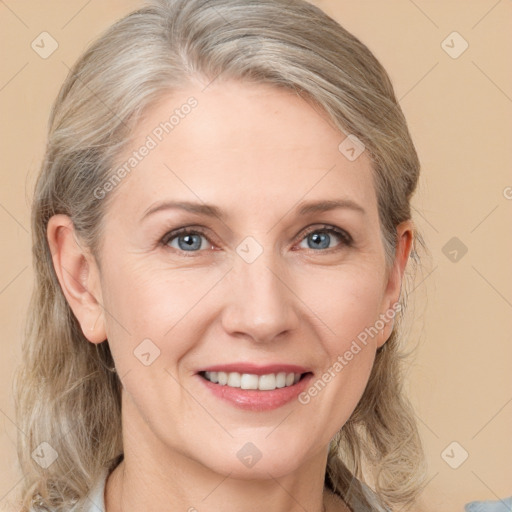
{"x":146,"y":303}
{"x":348,"y":303}
{"x":350,"y":312}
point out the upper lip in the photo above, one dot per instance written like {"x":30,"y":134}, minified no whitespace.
{"x":255,"y":369}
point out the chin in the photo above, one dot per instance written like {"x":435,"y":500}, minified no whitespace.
{"x":261,"y":470}
{"x":247,"y":460}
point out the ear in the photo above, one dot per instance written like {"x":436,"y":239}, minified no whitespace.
{"x":405,"y":235}
{"x":78,"y":275}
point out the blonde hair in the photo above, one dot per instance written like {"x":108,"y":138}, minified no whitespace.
{"x":66,"y":395}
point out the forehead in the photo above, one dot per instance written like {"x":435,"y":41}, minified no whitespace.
{"x":236,"y":142}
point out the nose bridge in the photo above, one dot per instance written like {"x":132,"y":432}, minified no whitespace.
{"x":260,"y":303}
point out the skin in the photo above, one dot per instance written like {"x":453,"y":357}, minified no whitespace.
{"x":256,"y":152}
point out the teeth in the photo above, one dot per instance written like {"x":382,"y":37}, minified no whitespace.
{"x":267,"y":382}
{"x":249,"y":381}
{"x":234,"y":380}
{"x":281,"y":380}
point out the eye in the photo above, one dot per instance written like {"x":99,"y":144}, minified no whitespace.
{"x":186,"y":240}
{"x":319,"y":238}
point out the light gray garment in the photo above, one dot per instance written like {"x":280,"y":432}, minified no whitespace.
{"x":96,"y":495}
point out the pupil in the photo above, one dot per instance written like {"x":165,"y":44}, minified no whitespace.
{"x":188,"y":241}
{"x":319,"y":238}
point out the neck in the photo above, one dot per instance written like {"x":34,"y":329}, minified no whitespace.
{"x":157,"y":477}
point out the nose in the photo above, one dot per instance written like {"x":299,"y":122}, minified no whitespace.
{"x":261,"y":303}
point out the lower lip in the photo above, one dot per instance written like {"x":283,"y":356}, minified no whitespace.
{"x":254,"y":399}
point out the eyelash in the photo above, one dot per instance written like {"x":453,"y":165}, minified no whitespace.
{"x":344,"y":236}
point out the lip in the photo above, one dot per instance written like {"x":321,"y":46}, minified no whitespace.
{"x":255,"y":399}
{"x":255,"y":369}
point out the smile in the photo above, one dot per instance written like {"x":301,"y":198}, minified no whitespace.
{"x":254,"y":387}
{"x":266,"y":382}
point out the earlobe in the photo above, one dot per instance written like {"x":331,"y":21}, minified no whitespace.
{"x":78,"y":276}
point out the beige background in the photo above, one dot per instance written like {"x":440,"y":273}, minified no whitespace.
{"x":459,"y":112}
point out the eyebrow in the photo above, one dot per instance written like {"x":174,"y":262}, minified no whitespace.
{"x":209,"y":210}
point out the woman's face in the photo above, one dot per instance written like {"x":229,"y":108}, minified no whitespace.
{"x":260,"y":285}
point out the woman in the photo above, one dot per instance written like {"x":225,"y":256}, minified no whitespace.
{"x":221,"y":232}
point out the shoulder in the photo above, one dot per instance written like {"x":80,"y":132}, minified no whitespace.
{"x":334,"y":503}
{"x":357,"y":502}
{"x":373,"y":499}
{"x":95,"y":500}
